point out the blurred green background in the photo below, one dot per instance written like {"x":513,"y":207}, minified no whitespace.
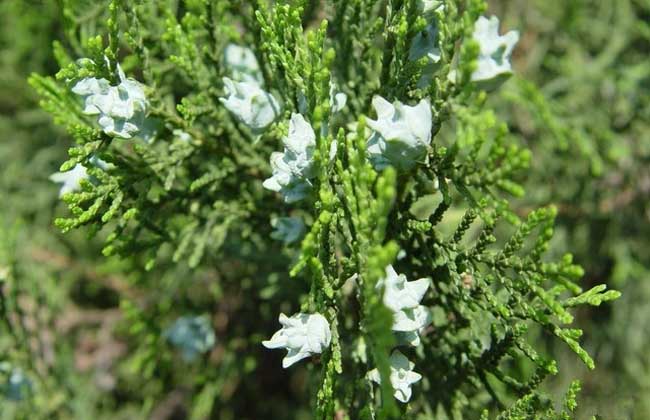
{"x":580,"y":101}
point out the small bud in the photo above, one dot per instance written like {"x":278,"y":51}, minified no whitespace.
{"x":403,"y":298}
{"x":293,"y":168}
{"x":120,"y":109}
{"x":192,"y":335}
{"x":253,"y":106}
{"x":303,"y":335}
{"x":243,"y":65}
{"x":495,"y":50}
{"x":402,"y":376}
{"x":401,"y":135}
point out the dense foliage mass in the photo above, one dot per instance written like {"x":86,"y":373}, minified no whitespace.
{"x":343,"y":180}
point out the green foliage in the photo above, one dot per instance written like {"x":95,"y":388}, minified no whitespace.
{"x":178,"y":221}
{"x":581,"y":110}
